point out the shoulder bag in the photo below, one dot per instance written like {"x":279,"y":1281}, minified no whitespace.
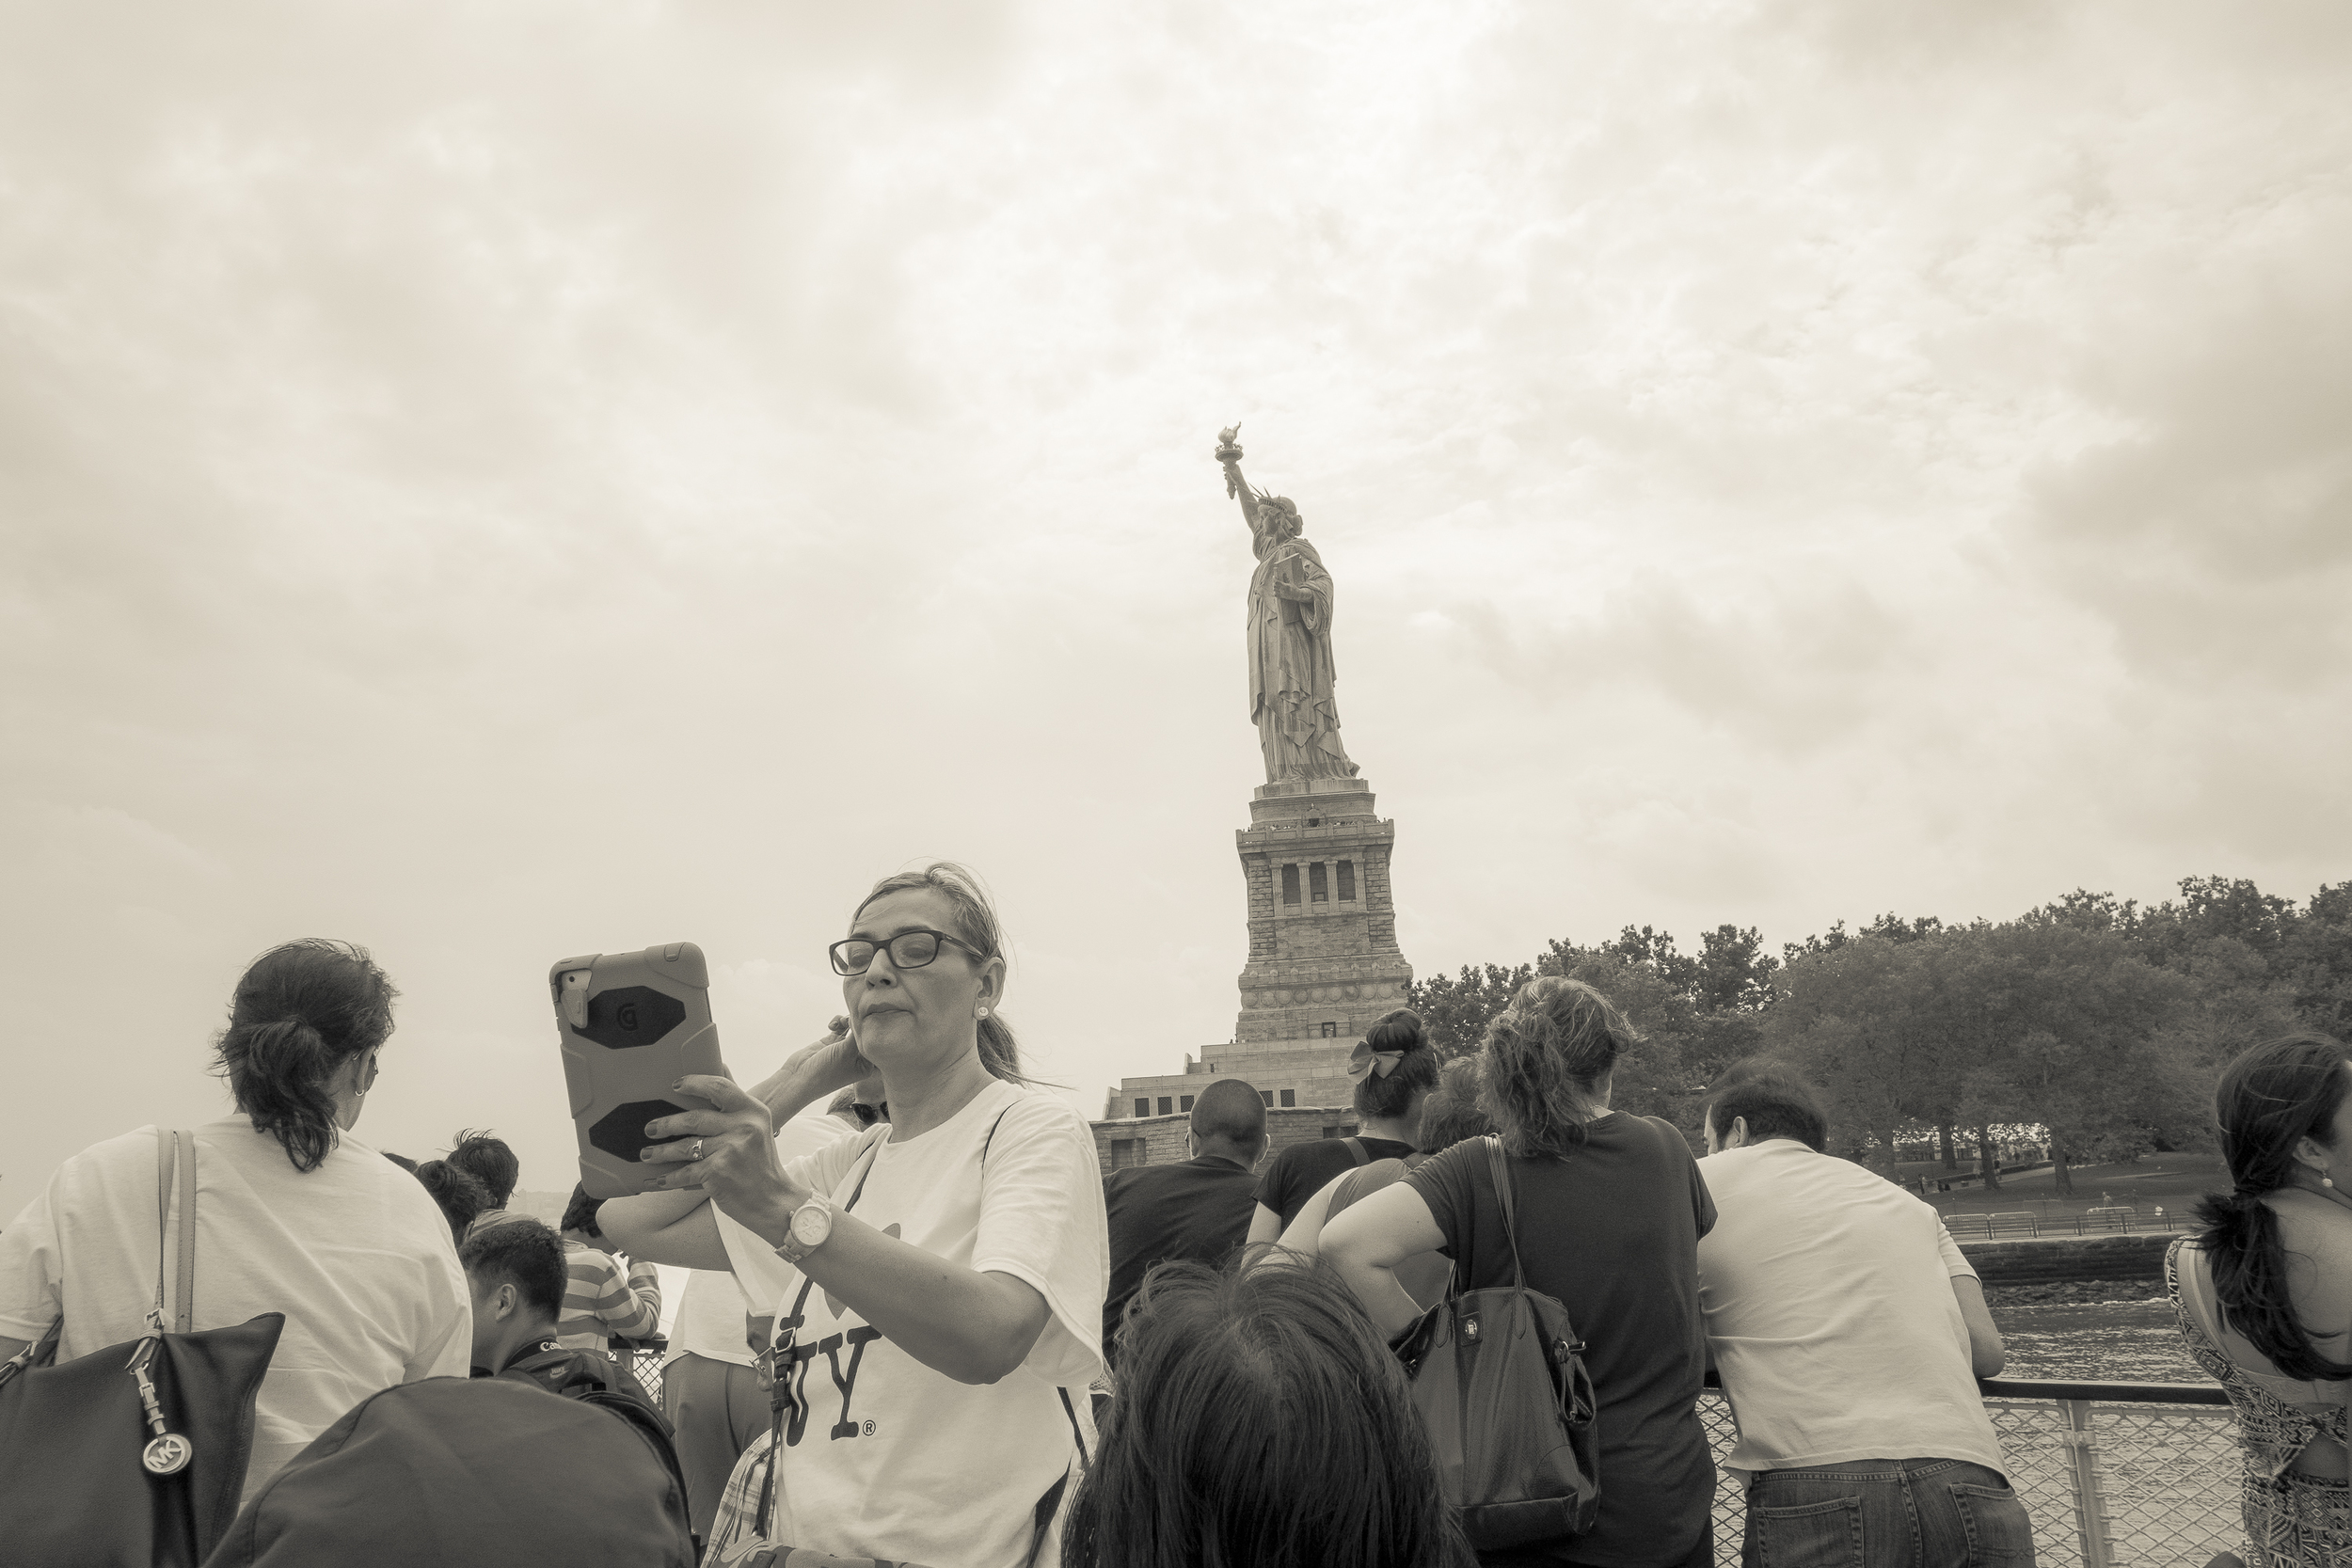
{"x":1499,"y":1378}
{"x":134,"y":1453}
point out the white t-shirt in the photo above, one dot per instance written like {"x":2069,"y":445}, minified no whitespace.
{"x":897,"y":1460}
{"x":719,"y":1320}
{"x":710,"y":1321}
{"x":1828,"y":1296}
{"x":355,"y":1252}
{"x":758,"y":1272}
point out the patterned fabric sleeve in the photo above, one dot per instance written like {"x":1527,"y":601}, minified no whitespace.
{"x":645,"y":1283}
{"x":598,"y":1300}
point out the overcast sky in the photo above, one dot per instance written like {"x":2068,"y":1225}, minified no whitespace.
{"x":499,"y":482}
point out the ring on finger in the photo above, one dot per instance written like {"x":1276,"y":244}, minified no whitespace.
{"x":698,"y":1151}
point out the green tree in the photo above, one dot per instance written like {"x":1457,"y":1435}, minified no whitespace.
{"x":2074,"y":1029}
{"x":2315,"y":960}
{"x":1867,"y":1018}
{"x":1455,"y":1009}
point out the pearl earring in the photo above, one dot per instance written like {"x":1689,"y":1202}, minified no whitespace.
{"x":983,"y":1012}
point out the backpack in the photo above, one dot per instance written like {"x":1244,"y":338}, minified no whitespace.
{"x":478,"y":1472}
{"x":588,"y":1377}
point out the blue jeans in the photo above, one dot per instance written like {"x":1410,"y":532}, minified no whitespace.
{"x":1899,"y":1513}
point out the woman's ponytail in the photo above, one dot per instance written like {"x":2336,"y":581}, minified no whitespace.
{"x":2270,"y":1098}
{"x":283,"y":1086}
{"x":999,"y":1053}
{"x":300,"y":1012}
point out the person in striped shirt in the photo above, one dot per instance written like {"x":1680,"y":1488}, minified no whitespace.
{"x":601,"y":1302}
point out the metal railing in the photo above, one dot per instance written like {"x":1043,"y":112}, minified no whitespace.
{"x":2115,"y":1474}
{"x":2097,"y":1222}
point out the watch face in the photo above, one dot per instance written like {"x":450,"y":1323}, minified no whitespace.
{"x":811,"y":1225}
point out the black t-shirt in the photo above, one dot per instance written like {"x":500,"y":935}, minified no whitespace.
{"x":1303,"y":1170}
{"x":1611,"y":1232}
{"x":1198,"y":1210}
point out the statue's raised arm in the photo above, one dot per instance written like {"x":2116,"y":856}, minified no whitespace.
{"x":1229,"y":453}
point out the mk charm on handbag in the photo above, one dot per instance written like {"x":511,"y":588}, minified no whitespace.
{"x":166,"y":1453}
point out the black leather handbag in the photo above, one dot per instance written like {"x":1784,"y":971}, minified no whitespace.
{"x":1499,"y":1378}
{"x":135,"y":1454}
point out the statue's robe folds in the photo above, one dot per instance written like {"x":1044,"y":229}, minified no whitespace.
{"x":1290,"y":663}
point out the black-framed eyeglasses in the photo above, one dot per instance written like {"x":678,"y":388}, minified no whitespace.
{"x":908,"y":950}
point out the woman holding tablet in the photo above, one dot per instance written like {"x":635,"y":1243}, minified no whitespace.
{"x":947,"y":1267}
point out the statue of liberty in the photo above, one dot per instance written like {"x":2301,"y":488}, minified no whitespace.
{"x":1291,"y":674}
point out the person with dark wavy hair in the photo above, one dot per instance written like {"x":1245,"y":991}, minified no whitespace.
{"x":1260,"y":1420}
{"x":1394,"y":1067}
{"x":460,"y":1198}
{"x":490,"y":1160}
{"x":2262,"y":1292}
{"x":1609,"y":1209}
{"x":293,"y":1214}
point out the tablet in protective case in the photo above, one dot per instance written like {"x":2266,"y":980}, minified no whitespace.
{"x":630,"y":1025}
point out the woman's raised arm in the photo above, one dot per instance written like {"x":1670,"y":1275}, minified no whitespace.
{"x":1370,"y":1238}
{"x":677,"y":1229}
{"x":974,"y":1328}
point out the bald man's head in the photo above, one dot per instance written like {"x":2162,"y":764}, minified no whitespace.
{"x":1229,"y":1118}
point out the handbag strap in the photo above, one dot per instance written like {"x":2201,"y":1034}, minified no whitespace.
{"x":779,"y":1392}
{"x":184,"y":1312}
{"x":1500,"y":1167}
{"x":175,"y":1154}
{"x":873,"y":1152}
{"x":1356,"y":1150}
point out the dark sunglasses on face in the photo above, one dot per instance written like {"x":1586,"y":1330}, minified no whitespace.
{"x":906,"y":950}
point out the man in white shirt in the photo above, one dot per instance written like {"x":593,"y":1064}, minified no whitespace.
{"x":1849,"y":1331}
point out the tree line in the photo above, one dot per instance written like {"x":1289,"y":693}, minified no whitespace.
{"x":2101,"y":1021}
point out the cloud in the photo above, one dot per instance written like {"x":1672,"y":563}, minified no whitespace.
{"x":497,"y":484}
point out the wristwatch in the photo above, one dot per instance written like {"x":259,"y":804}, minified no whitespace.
{"x":811,"y":1222}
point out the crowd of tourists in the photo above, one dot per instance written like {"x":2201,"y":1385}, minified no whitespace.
{"x":922,"y":1328}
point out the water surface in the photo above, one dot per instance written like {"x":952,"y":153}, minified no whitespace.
{"x":2120,"y":1341}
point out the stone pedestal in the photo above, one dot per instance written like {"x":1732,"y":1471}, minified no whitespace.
{"x":1323,"y":965}
{"x":1323,"y":956}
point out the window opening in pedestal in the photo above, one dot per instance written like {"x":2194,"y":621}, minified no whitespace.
{"x":1348,"y":881}
{"x":1143,"y":1107}
{"x":1166,"y":1109}
{"x":1316,"y":889}
{"x":1266,"y":1095}
{"x":1289,"y":884}
{"x":1290,"y":1097}
{"x":1330,"y":1030}
{"x":1124,"y":1155}
{"x":1184,"y":1103}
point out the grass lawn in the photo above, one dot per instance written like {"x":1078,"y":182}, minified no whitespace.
{"x":2173,"y":1181}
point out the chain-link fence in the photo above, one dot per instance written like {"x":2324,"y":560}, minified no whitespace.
{"x":2118,"y":1478}
{"x":645,"y":1362}
{"x":2110,"y":1481}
